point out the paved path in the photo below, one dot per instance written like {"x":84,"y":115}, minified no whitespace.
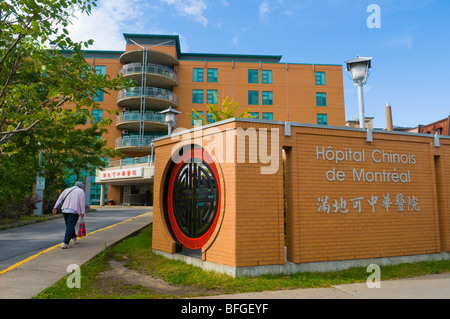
{"x":29,"y":277}
{"x":424,"y":287}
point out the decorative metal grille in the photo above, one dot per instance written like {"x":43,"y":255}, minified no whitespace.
{"x":193,"y":198}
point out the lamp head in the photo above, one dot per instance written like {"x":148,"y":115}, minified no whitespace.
{"x":359,"y":69}
{"x":170,"y":116}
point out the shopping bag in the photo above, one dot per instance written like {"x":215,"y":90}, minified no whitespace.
{"x":82,"y":229}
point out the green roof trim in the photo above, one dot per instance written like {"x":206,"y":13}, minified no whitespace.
{"x":231,"y":57}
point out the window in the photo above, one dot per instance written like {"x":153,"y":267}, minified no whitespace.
{"x":322,"y":119}
{"x":253,"y":98}
{"x":320,"y":78}
{"x":197,"y":96}
{"x":100,"y":69}
{"x":98,"y":96}
{"x":253,"y":76}
{"x":209,"y":117}
{"x":197,"y":120}
{"x":321,"y":99}
{"x":267,"y":116}
{"x":266,"y":76}
{"x":255,"y":115}
{"x":267,"y":98}
{"x":212,"y":75}
{"x":97,"y":116}
{"x":211,"y":96}
{"x":197,"y":75}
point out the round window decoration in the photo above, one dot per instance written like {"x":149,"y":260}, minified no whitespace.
{"x":193,"y":198}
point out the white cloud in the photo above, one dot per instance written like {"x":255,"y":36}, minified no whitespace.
{"x":264,"y":10}
{"x":193,"y":9}
{"x":106,"y":23}
{"x":404,"y":41}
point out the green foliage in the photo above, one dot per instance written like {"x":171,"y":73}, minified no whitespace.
{"x":45,"y":86}
{"x":225,"y":110}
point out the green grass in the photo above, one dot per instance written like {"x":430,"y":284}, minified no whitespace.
{"x":137,"y":253}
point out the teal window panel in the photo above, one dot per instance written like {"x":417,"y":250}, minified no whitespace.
{"x":321,"y":99}
{"x":212,"y":75}
{"x":267,"y":98}
{"x":253,"y":97}
{"x":253,"y":76}
{"x":198,"y":75}
{"x":98,"y":96}
{"x":322,"y":119}
{"x":320,"y":78}
{"x":97,"y":116}
{"x":267,"y":116}
{"x":254,"y":115}
{"x":209,"y":117}
{"x":266,"y":76}
{"x":100,"y":69}
{"x":197,"y":96}
{"x":196,"y":120}
{"x":211,"y":96}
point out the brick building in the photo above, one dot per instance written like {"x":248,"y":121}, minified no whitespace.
{"x":296,"y":92}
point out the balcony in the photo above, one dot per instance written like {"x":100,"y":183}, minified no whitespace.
{"x":155,"y":98}
{"x":157,"y":57}
{"x":153,"y":121}
{"x":156,"y":74}
{"x":131,"y":144}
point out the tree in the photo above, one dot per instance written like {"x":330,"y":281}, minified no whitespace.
{"x":36,"y":79}
{"x":45,"y":84}
{"x":225,"y":110}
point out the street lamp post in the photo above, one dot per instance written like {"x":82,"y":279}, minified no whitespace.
{"x":170,"y":118}
{"x":359,"y":70}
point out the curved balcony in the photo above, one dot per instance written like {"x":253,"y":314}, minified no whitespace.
{"x":156,"y":74}
{"x":157,"y":57}
{"x":155,"y":98}
{"x":131,"y":121}
{"x":131,"y":144}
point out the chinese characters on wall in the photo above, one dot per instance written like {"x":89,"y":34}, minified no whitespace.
{"x":384,"y":203}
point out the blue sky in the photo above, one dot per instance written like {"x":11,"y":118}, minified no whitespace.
{"x":410,"y":50}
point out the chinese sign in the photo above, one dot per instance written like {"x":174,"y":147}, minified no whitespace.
{"x":123,"y":173}
{"x":385,"y":203}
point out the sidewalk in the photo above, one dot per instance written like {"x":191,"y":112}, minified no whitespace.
{"x":33,"y":275}
{"x":30,"y":277}
{"x":424,"y":287}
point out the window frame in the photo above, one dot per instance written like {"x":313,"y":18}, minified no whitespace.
{"x":251,"y":97}
{"x":197,"y":96}
{"x":196,"y":75}
{"x":212,"y":75}
{"x":267,"y":97}
{"x":265,"y":114}
{"x":266,"y":76}
{"x":322,"y":116}
{"x":251,"y":76}
{"x":320,"y":78}
{"x":321,"y":99}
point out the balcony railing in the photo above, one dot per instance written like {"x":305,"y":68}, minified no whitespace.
{"x":136,"y":116}
{"x":132,"y":161}
{"x":136,"y":68}
{"x":133,"y":141}
{"x":151,"y":92}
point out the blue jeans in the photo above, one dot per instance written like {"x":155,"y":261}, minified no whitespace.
{"x":71,"y":221}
